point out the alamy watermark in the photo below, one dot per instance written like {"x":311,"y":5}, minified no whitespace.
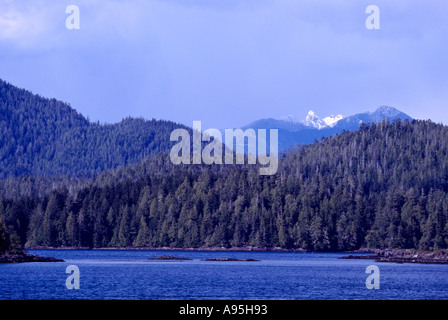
{"x":212,"y":153}
{"x":73,"y":20}
{"x":373,"y":280}
{"x":373,"y":20}
{"x":72,"y":281}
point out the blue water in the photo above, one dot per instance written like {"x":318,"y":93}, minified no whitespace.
{"x":129,"y":274}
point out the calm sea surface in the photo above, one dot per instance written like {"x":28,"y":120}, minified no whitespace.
{"x":118,"y":274}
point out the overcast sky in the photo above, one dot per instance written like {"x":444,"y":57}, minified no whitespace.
{"x":229,"y":62}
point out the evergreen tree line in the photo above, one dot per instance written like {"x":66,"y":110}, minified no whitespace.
{"x":384,"y":186}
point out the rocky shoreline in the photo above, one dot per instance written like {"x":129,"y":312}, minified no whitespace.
{"x":169,"y":258}
{"x":230,"y":259}
{"x":378,"y":255}
{"x":225,"y":249}
{"x":24,"y":257}
{"x":403,"y":256}
{"x":172,"y":258}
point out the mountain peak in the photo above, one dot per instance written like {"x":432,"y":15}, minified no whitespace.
{"x":386,"y":110}
{"x":313,"y":120}
{"x":290,"y":118}
{"x":294,"y":132}
{"x":330,"y":121}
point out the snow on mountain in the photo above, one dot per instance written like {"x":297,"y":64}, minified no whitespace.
{"x":295,"y":132}
{"x":312,"y":120}
{"x":332,"y":120}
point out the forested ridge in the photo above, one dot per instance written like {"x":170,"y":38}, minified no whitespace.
{"x":46,"y":137}
{"x":383,"y":186}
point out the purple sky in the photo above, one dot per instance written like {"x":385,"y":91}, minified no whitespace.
{"x":228,"y":63}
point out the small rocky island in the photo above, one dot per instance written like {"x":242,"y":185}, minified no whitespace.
{"x":172,"y":258}
{"x":404,"y":256}
{"x":229,"y":259}
{"x":25,"y":257}
{"x":169,"y":258}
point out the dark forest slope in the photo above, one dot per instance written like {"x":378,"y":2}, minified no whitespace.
{"x":46,"y":137}
{"x":384,"y":186}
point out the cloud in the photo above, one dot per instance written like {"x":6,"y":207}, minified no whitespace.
{"x":27,"y":24}
{"x":226,"y":61}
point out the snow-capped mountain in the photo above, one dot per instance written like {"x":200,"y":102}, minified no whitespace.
{"x":294,"y":132}
{"x":331,"y":121}
{"x":313,"y":120}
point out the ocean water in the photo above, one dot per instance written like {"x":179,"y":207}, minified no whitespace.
{"x":132,"y":275}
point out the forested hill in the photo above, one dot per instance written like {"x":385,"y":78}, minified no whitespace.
{"x":46,"y":137}
{"x":384,"y":186}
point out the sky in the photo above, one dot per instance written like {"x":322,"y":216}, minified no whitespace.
{"x":228,"y":63}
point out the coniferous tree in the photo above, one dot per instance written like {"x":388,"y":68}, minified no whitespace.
{"x":384,"y":186}
{"x":4,"y":237}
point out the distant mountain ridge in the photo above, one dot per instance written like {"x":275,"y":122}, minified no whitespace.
{"x":312,"y":120}
{"x":46,"y":137}
{"x":294,"y":132}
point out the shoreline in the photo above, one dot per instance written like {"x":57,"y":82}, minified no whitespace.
{"x":224,"y":249}
{"x":378,"y":255}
